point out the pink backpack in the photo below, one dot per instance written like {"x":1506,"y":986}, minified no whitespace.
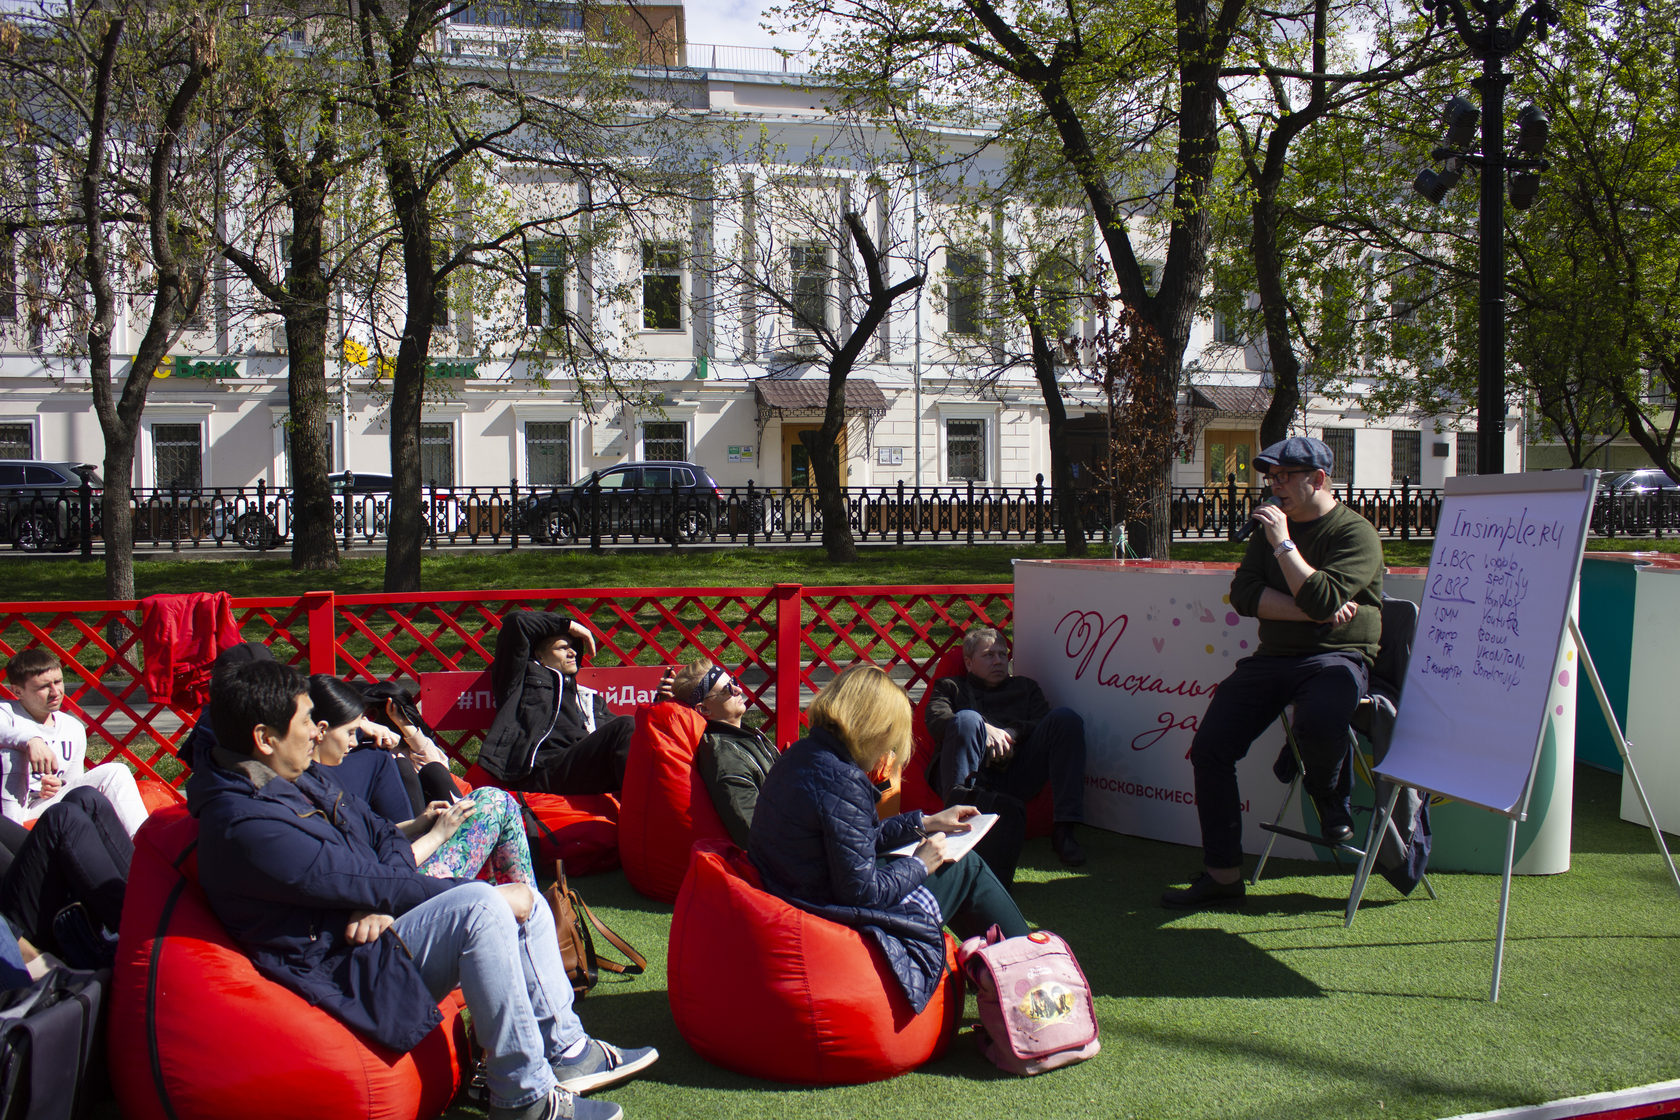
{"x":1035,"y":1005}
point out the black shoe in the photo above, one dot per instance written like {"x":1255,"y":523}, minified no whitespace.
{"x":1205,"y":891}
{"x":1335,"y":820}
{"x":1065,"y":845}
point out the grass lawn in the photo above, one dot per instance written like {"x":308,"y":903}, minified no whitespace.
{"x":1270,"y":1011}
{"x":33,"y":579}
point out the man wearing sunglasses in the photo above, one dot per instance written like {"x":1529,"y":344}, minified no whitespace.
{"x":1313,"y":577}
{"x":733,"y":760}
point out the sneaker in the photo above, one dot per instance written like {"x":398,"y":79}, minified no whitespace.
{"x":1205,"y":891}
{"x":602,"y":1063}
{"x":1066,"y":845}
{"x":559,"y":1105}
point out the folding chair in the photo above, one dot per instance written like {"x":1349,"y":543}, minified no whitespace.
{"x":1373,"y":719}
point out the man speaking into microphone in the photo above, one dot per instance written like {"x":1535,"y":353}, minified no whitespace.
{"x":1312,"y":575}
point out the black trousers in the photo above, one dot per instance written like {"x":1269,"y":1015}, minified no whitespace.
{"x":972,"y":900}
{"x":77,"y":852}
{"x":593,"y":764}
{"x":1325,"y":689}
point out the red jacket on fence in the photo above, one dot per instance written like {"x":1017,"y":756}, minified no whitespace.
{"x":180,"y":635}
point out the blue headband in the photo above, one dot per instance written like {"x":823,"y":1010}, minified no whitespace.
{"x":707,"y":682}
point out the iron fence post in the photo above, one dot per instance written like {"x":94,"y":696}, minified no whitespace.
{"x":970,"y":510}
{"x":1231,"y":504}
{"x":899,"y":513}
{"x":1038,"y":514}
{"x":513,"y":513}
{"x":676,"y":514}
{"x":349,"y":507}
{"x":752,"y":513}
{"x":1405,"y":507}
{"x":595,"y":515}
{"x":174,"y":519}
{"x":85,"y":492}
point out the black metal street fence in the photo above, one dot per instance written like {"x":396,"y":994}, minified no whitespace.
{"x":259,"y":518}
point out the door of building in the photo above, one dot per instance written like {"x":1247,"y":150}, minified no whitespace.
{"x":796,"y":461}
{"x":1229,"y":451}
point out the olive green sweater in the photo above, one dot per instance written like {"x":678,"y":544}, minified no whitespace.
{"x":1346,"y":555}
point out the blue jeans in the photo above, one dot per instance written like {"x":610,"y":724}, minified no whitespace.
{"x":1054,"y":753}
{"x":512,"y":977}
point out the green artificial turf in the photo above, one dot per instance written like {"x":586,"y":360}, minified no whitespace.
{"x":1270,"y":1011}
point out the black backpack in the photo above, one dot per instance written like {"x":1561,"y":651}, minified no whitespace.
{"x":51,"y":1038}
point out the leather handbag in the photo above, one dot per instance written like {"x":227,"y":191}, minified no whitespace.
{"x":576,"y":925}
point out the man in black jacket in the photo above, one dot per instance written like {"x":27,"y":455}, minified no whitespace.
{"x":325,"y":898}
{"x":996,"y":733}
{"x":550,"y":734}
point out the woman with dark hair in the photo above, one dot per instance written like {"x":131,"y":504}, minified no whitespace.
{"x":372,"y":773}
{"x":449,"y":840}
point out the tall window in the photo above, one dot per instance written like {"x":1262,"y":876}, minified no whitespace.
{"x":1226,"y":330}
{"x":1466,"y":453}
{"x":661,"y":286}
{"x":665,"y":439}
{"x":437,"y":455}
{"x":808,"y":274}
{"x":545,"y":284}
{"x":965,"y":450}
{"x":965,"y":273}
{"x":1340,"y":443}
{"x":17,"y":441}
{"x":548,"y":454}
{"x":1408,"y":456}
{"x":177,"y":457}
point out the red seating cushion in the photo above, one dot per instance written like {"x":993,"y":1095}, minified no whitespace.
{"x":157,"y":795}
{"x":580,"y":828}
{"x":918,"y":794}
{"x":197,"y":1034}
{"x":761,"y":987}
{"x":666,"y":805}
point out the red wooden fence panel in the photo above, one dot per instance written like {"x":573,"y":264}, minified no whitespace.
{"x":784,"y":642}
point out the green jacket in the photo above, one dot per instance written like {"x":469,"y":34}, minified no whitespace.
{"x":1346,"y":554}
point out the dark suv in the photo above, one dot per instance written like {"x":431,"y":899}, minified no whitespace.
{"x":1638,"y":501}
{"x":662,"y":499}
{"x":40,"y":503}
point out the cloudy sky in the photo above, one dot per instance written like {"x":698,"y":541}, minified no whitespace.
{"x":729,"y":22}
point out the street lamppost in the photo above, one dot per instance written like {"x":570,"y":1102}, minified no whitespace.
{"x":1492,"y":44}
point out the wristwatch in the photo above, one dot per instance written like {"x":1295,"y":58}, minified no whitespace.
{"x":1285,"y":545}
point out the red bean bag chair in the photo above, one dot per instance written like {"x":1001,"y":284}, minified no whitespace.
{"x":198,"y":1034}
{"x":580,"y":828}
{"x":918,"y":794}
{"x":157,"y":795}
{"x":666,"y":805}
{"x":761,"y":987}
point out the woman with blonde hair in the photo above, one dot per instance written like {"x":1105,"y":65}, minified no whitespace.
{"x":817,"y":842}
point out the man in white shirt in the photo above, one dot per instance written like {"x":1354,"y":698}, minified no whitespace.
{"x":43,"y":749}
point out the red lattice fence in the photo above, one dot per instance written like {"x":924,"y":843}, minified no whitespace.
{"x":785,"y":642}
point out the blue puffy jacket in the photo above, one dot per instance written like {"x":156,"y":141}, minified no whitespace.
{"x":815,"y":840}
{"x":285,"y":863}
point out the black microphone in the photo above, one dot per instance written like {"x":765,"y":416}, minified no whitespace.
{"x":1251,"y":524}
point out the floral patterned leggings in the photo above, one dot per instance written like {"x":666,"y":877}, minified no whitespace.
{"x":494,"y":834}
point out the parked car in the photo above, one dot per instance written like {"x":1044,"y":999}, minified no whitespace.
{"x":663,"y":499}
{"x":1637,"y":501}
{"x":40,"y":503}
